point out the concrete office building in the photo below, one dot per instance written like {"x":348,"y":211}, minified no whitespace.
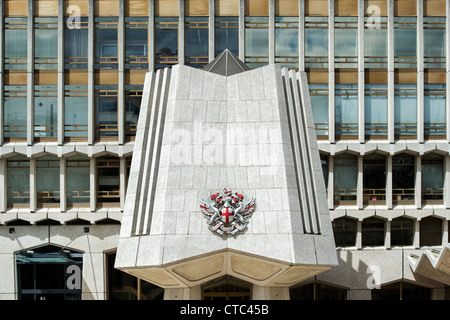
{"x":74,"y":75}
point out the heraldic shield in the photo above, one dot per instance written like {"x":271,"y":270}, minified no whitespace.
{"x":227,"y":212}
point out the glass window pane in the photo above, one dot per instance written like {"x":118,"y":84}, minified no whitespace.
{"x":133,"y":96}
{"x":346,"y":108}
{"x":78,"y":187}
{"x":15,"y":43}
{"x":106,"y":43}
{"x":45,"y":111}
{"x":286,"y":41}
{"x":76,"y":111}
{"x":256,"y":41}
{"x":47,"y":182}
{"x":375,"y":104}
{"x":46,"y":43}
{"x":319,"y":104}
{"x":405,"y":38}
{"x":405,"y":114}
{"x":15,"y":122}
{"x":76,"y":45}
{"x":136,"y":41}
{"x":375,"y":47}
{"x":226,"y":35}
{"x":196,"y":41}
{"x":106,"y":111}
{"x":166,"y":41}
{"x":18,"y":178}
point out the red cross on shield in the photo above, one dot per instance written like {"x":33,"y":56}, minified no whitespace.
{"x":227,"y":214}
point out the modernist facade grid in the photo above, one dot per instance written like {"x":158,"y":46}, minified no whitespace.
{"x":71,"y":83}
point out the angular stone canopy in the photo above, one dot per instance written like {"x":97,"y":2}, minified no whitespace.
{"x":200,"y":131}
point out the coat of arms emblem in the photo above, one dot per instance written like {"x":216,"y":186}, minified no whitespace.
{"x":227,"y":212}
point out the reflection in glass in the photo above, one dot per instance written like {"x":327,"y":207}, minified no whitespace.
{"x":346,"y":42}
{"x":434,"y":109}
{"x":47,"y":182}
{"x":76,"y":44}
{"x":256,"y":41}
{"x":434,"y":42}
{"x":375,"y":104}
{"x":133,"y":96}
{"x":106,"y":111}
{"x":76,"y":111}
{"x":286,"y":41}
{"x":403,"y":173}
{"x":166,"y":42}
{"x":319,"y":103}
{"x":226,"y":35}
{"x":196,"y":41}
{"x":345,"y":179}
{"x":432,"y":177}
{"x":108,"y":171}
{"x":77,"y":173}
{"x":375,"y":45}
{"x":45,"y":111}
{"x":18,"y":179}
{"x":316,"y":42}
{"x":405,"y":114}
{"x":106,"y":42}
{"x":15,"y":43}
{"x":346,"y":101}
{"x":15,"y":112}
{"x":405,"y":38}
{"x":46,"y":43}
{"x":136,"y":40}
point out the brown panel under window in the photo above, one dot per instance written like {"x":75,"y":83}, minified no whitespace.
{"x":82,"y":6}
{"x":405,"y":8}
{"x":75,"y":77}
{"x":346,"y":8}
{"x":16,"y":8}
{"x":434,"y":8}
{"x":380,"y":5}
{"x":405,"y":76}
{"x":434,"y":76}
{"x":257,"y":8}
{"x":226,"y":8}
{"x":375,"y":76}
{"x":106,"y":8}
{"x":316,"y":8}
{"x":286,"y":8}
{"x":15,"y":77}
{"x":46,"y":8}
{"x":346,"y":76}
{"x":135,"y":8}
{"x":166,"y":8}
{"x":196,"y":8}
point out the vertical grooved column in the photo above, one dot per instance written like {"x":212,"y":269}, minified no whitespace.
{"x":33,"y":187}
{"x":151,"y":35}
{"x":121,"y":74}
{"x":331,"y":76}
{"x":389,"y":181}
{"x":93,"y":183}
{"x":3,"y":184}
{"x":91,"y":79}
{"x":271,"y":31}
{"x":211,"y":35}
{"x":30,"y":73}
{"x":242,"y":30}
{"x":418,"y":183}
{"x":360,"y":182}
{"x":330,"y":189}
{"x":62,"y":184}
{"x":390,"y":71}
{"x":301,"y":36}
{"x":61,"y":109}
{"x":181,"y":32}
{"x":420,"y":73}
{"x":361,"y":80}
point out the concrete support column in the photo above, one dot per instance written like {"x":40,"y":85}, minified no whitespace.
{"x":123,"y":181}
{"x":270,"y":293}
{"x":358,"y":241}
{"x":390,"y":73}
{"x":121,"y":74}
{"x":387,"y":234}
{"x":30,"y":73}
{"x":330,"y":189}
{"x":61,"y":109}
{"x":3,"y":185}
{"x":420,"y":73}
{"x":271,"y":31}
{"x":181,"y":33}
{"x":33,"y":185}
{"x":194,"y":293}
{"x":301,"y":36}
{"x":91,"y":78}
{"x":418,"y":183}
{"x":242,"y":30}
{"x":331,"y":76}
{"x":360,"y":182}
{"x":361,"y":80}
{"x":62,"y":184}
{"x":416,"y":241}
{"x":211,"y":34}
{"x":151,"y":35}
{"x":93,"y":183}
{"x":389,"y":182}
